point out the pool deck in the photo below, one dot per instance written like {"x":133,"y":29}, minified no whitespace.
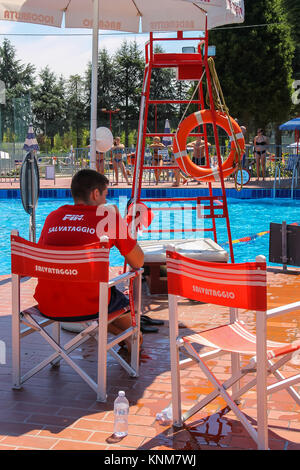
{"x":56,"y":410}
{"x":65,"y":182}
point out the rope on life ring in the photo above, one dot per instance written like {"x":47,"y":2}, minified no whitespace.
{"x":205,"y":117}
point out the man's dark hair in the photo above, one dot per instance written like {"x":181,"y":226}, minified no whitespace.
{"x":85,"y":181}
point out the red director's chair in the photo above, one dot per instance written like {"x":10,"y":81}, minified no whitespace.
{"x":235,"y":286}
{"x":88,"y":263}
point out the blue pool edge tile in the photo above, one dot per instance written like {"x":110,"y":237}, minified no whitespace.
{"x":168,"y":193}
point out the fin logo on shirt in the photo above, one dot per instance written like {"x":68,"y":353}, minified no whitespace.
{"x":73,"y":217}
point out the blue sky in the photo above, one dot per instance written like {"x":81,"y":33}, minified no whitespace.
{"x":63,"y":53}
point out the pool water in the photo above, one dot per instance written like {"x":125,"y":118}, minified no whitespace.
{"x":247,"y":217}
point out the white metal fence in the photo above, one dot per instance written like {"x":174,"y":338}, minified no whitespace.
{"x":282,"y":164}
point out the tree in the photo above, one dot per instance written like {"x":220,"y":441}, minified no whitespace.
{"x":129,"y":68}
{"x":18,"y":80}
{"x":183,"y":90}
{"x":254,"y":65}
{"x":293,"y":14}
{"x":76,"y":105}
{"x":161,"y":88}
{"x":49,"y":106}
{"x":105,"y":92}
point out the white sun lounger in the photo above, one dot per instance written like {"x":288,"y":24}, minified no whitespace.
{"x":203,"y":249}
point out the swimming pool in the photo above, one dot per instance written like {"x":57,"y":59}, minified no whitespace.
{"x":247,"y":217}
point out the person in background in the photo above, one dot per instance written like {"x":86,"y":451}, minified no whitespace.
{"x":198,"y":151}
{"x":118,"y":150}
{"x":177,"y":173}
{"x":244,"y":131}
{"x":157,"y":159}
{"x":100,"y":162}
{"x":261,"y":143}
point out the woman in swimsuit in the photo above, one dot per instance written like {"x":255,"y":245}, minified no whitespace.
{"x":118,"y":150}
{"x":100,"y":162}
{"x":157,"y":159}
{"x":199,"y":152}
{"x":260,"y":150}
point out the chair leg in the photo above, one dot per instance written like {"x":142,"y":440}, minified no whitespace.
{"x":56,"y":337}
{"x":135,"y":344}
{"x":273,"y":368}
{"x":16,"y":364}
{"x":261,"y":387}
{"x":174,"y":356}
{"x":102,"y":343}
{"x":293,"y":393}
{"x":235,"y":357}
{"x":220,"y":389}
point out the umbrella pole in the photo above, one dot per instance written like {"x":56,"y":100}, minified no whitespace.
{"x":32,"y":215}
{"x":94,"y":83}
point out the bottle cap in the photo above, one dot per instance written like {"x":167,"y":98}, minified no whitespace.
{"x":121,"y":394}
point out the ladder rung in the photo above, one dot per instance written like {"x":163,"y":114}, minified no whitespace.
{"x":157,"y":134}
{"x":174,"y":101}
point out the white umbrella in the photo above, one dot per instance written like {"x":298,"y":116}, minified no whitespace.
{"x":30,"y":141}
{"x":122,"y":15}
{"x":167,"y":140}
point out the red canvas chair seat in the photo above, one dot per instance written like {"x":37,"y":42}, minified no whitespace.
{"x":235,"y":286}
{"x":34,"y":310}
{"x":82,"y":264}
{"x":236,"y":338}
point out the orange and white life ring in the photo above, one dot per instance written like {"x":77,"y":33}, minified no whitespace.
{"x":180,"y":152}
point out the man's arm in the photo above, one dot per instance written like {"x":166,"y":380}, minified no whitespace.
{"x":135,"y":258}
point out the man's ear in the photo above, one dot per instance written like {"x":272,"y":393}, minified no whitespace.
{"x":94,"y":194}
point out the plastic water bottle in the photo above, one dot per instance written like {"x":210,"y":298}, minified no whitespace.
{"x":121,"y":408}
{"x":165,"y":416}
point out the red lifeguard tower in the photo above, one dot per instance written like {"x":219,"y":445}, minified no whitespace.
{"x":189,"y":66}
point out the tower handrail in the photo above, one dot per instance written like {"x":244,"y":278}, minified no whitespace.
{"x":294,"y":177}
{"x":277,"y":172}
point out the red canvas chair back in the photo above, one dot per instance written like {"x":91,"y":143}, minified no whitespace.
{"x":76,"y":265}
{"x":241,"y":285}
{"x":237,"y":286}
{"x":86,"y":263}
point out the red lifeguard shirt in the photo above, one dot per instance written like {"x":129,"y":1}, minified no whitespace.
{"x":72,"y":225}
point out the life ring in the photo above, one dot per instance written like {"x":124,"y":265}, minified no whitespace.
{"x":185,"y":163}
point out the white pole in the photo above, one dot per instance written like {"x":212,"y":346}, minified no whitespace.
{"x":33,"y":200}
{"x":94,"y":84}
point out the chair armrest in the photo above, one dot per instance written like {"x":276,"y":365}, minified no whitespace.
{"x":274,"y":312}
{"x":125,"y":277}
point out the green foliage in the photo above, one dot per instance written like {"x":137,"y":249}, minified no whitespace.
{"x":254,"y":65}
{"x":18,"y":79}
{"x":292,"y":8}
{"x":162,"y":87}
{"x":76,"y":108}
{"x":129,"y":68}
{"x":49,"y":104}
